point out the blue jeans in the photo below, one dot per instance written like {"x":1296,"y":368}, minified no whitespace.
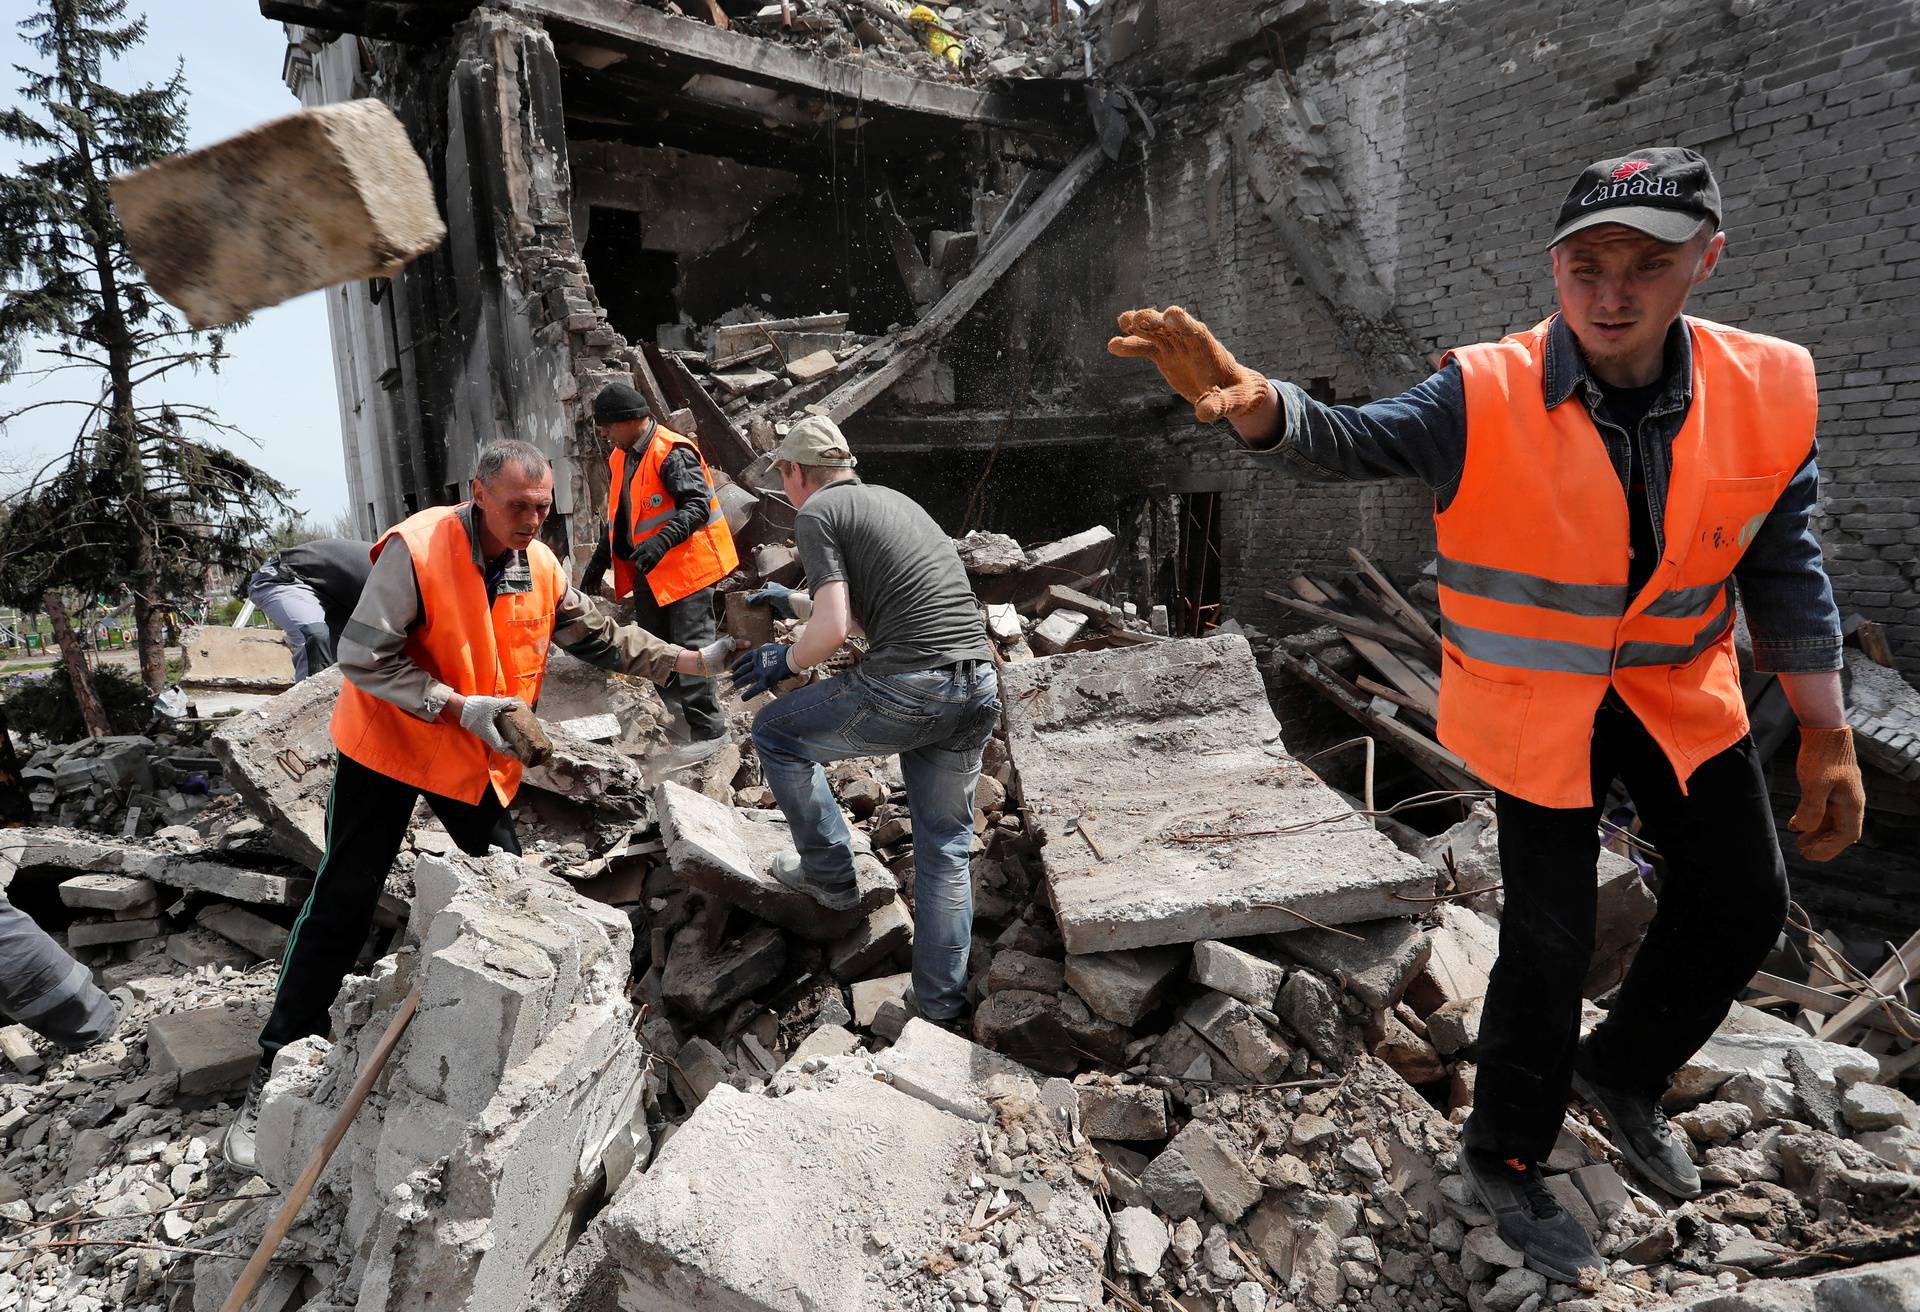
{"x":937,"y":722}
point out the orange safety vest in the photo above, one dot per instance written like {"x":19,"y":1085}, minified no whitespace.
{"x":497,"y":651}
{"x":1537,"y":622}
{"x":702,"y":560}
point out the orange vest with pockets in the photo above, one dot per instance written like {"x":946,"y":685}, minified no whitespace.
{"x":1537,"y":622}
{"x":702,"y":560}
{"x":475,"y":650}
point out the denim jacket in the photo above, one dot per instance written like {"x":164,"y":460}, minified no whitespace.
{"x":1422,"y":433}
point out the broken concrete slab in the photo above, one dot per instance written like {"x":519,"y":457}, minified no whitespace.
{"x":1198,"y":1165}
{"x":1053,"y":1033}
{"x":1122,"y":1111}
{"x":256,"y":934}
{"x":1012,"y":969}
{"x":1237,"y":973}
{"x":194,"y":948}
{"x":1000,"y":579}
{"x":331,"y":194}
{"x":870,"y":994}
{"x":881,"y":935}
{"x":1376,"y":969}
{"x":945,"y":1070}
{"x":1460,"y":960}
{"x":212,"y":1049}
{"x":236,"y":883}
{"x":109,"y":893}
{"x":1752,"y":1040}
{"x":714,"y":850}
{"x":93,"y":933}
{"x":279,"y":758}
{"x":1172,"y":756}
{"x":248,"y":660}
{"x":1124,"y":986}
{"x":703,"y":980}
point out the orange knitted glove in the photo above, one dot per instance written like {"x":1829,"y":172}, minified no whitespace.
{"x":1833,"y":801}
{"x":1192,"y":361}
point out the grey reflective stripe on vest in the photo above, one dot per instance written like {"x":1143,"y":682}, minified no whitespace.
{"x":1512,"y":586}
{"x":650,"y":524}
{"x":1685,"y":603}
{"x":1678,"y":653}
{"x":1528,"y":653}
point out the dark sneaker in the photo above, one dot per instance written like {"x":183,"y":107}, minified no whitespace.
{"x":237,"y":1145}
{"x":787,"y":869}
{"x":1529,"y":1218}
{"x":1641,"y":1132}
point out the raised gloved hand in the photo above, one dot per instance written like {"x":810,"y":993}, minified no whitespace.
{"x":480,"y":717}
{"x":650,"y":552}
{"x":757,"y":671}
{"x":776,"y":595}
{"x":1833,"y":802}
{"x":527,"y":741}
{"x":1192,"y":361}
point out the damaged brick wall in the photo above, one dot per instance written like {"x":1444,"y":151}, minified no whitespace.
{"x":1453,"y":129}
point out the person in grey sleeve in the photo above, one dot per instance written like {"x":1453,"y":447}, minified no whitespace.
{"x":310,"y":591}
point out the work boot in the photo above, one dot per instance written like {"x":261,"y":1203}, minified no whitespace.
{"x":787,"y":869}
{"x":1529,"y":1218}
{"x":1640,"y":1128}
{"x":237,"y":1145}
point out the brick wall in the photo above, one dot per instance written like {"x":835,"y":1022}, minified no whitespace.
{"x":1456,"y":128}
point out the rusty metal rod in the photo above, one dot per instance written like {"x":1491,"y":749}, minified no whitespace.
{"x":297,"y":1196}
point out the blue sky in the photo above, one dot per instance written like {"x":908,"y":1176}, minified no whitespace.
{"x":277,"y":384}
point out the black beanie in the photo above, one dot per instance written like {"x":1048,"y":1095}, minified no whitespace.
{"x":616,"y":402}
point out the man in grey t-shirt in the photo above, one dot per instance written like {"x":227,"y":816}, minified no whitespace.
{"x":927,"y":691}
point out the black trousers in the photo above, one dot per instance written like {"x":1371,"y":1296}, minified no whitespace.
{"x":690,"y":623}
{"x":1722,"y":903}
{"x":367,"y":815}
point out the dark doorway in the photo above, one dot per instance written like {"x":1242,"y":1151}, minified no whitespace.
{"x":1195,"y":590}
{"x":634,"y":286}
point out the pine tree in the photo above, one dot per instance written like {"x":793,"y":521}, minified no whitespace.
{"x":141,"y":499}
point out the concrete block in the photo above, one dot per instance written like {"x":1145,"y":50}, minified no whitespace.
{"x":483,"y":1006}
{"x":1409,"y":1054}
{"x":827,"y":1041}
{"x":211,"y":1049}
{"x":1376,"y":969}
{"x":1455,"y":1027}
{"x":1199,"y":1166}
{"x":256,"y":934}
{"x":1752,"y":1040}
{"x":703,"y":1068}
{"x":279,"y":758}
{"x":1459,"y":961}
{"x":1237,"y":973}
{"x":1624,"y":908}
{"x":328,"y":195}
{"x":1310,"y":1007}
{"x":704,"y":981}
{"x":1059,"y":630}
{"x":1122,"y":1111}
{"x":16,"y":1045}
{"x":714,"y":850}
{"x":811,"y":367}
{"x":109,"y":893}
{"x":93,"y":933}
{"x":235,"y":883}
{"x":1123,"y":986}
{"x":945,"y":1070}
{"x":869,"y":994}
{"x":1053,"y":1033}
{"x":1239,"y":1036}
{"x":878,"y":937}
{"x":1140,"y":1241}
{"x":1013,"y":969}
{"x":1177,"y":740}
{"x":194,"y":948}
{"x":246,"y":660}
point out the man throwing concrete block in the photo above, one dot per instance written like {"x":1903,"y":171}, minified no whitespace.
{"x":926,"y":692}
{"x":1601,"y":482}
{"x":443,"y":661}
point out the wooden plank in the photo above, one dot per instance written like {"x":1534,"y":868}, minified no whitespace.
{"x":1347,"y":623}
{"x":1826,"y":1002}
{"x":722,"y":443}
{"x":1900,"y":968}
{"x":1393,"y":695}
{"x":649,"y":387}
{"x":1414,"y":618}
{"x":911,"y":347}
{"x":1396,"y":671}
{"x":1427,"y":756}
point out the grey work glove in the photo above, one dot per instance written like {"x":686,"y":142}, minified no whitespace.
{"x":480,"y":717}
{"x":714,"y":656}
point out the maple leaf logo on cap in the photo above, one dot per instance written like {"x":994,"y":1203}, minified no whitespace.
{"x":1630,"y":168}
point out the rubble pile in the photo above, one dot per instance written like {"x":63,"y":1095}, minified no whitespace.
{"x":993,"y":41}
{"x":126,"y":784}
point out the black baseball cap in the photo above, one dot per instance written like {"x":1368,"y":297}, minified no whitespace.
{"x":1664,"y":191}
{"x":616,"y":402}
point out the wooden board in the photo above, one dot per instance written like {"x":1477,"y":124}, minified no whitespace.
{"x":1391,"y":667}
{"x":1416,"y":622}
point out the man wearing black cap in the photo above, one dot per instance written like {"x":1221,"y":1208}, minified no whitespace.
{"x":1600,"y":482}
{"x":667,"y":542}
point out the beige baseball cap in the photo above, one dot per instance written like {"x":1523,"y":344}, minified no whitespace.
{"x":816,"y":441}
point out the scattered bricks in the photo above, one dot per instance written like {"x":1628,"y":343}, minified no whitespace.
{"x":110,"y":893}
{"x":1053,"y":1033}
{"x":194,"y":948}
{"x":1877,"y":1107}
{"x":1455,"y":1027}
{"x":703,"y":980}
{"x":868,"y":994}
{"x":1238,"y":974}
{"x":1122,"y":1111}
{"x":1606,"y":1193}
{"x":212,"y":1049}
{"x":750,"y":624}
{"x":949,"y":1072}
{"x":256,"y":934}
{"x":1140,"y":1241}
{"x":877,"y":938}
{"x":1123,"y":986}
{"x":808,"y":368}
{"x":16,"y":1045}
{"x":328,"y":195}
{"x":1199,"y":1162}
{"x":700,"y":1067}
{"x":93,"y":933}
{"x":1376,"y":969}
{"x":1239,"y":1036}
{"x":1309,"y":1005}
{"x":1461,"y":958}
{"x":1020,"y":970}
{"x":1058,"y":631}
{"x":1409,"y":1054}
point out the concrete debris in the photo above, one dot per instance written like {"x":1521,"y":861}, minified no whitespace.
{"x":1124,"y":986}
{"x":327,"y":195}
{"x":250,"y":660}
